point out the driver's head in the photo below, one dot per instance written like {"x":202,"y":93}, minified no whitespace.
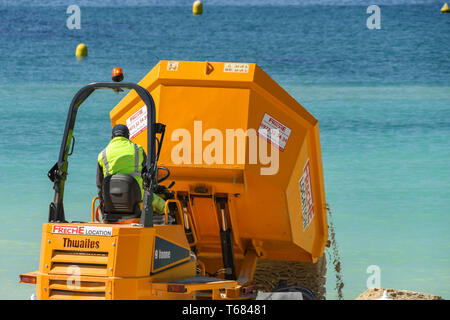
{"x":120,"y":130}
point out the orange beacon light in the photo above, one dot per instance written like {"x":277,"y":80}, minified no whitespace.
{"x":117,"y":75}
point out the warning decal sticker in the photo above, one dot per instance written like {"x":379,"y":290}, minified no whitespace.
{"x":236,"y":67}
{"x":306,"y":195}
{"x":269,"y":123}
{"x":172,"y":66}
{"x":137,"y":122}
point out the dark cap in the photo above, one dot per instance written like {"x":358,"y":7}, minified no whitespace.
{"x":120,"y":130}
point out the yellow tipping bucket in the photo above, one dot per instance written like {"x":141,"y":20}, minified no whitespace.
{"x":234,"y":130}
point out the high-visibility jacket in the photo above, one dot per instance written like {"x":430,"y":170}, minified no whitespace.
{"x":125,"y":157}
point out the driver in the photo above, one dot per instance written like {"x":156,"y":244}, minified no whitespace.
{"x":124,"y":157}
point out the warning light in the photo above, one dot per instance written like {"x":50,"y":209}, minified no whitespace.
{"x":27,"y":279}
{"x":176,"y":288}
{"x":117,"y":75}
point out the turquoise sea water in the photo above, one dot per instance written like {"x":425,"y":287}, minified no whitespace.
{"x":382,"y":98}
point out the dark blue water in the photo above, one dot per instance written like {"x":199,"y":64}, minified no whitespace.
{"x":311,"y":44}
{"x":381,"y":98}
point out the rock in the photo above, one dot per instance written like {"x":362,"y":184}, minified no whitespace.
{"x":375,"y":294}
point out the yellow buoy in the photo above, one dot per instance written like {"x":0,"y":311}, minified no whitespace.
{"x":445,"y":8}
{"x":81,"y":50}
{"x":197,"y":7}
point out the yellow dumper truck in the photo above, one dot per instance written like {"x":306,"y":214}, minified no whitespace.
{"x":241,"y":173}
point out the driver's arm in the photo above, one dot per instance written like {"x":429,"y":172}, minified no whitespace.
{"x":99,"y":180}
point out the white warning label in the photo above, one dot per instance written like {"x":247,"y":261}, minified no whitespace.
{"x":306,"y":195}
{"x":137,"y":122}
{"x":172,"y":66}
{"x":274,"y":131}
{"x":236,"y":67}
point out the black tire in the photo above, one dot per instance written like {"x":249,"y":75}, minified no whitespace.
{"x":306,"y":293}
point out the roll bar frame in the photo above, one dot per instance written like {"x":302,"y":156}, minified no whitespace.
{"x":58,"y":173}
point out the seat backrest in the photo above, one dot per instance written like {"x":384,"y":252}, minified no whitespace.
{"x":121,"y":196}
